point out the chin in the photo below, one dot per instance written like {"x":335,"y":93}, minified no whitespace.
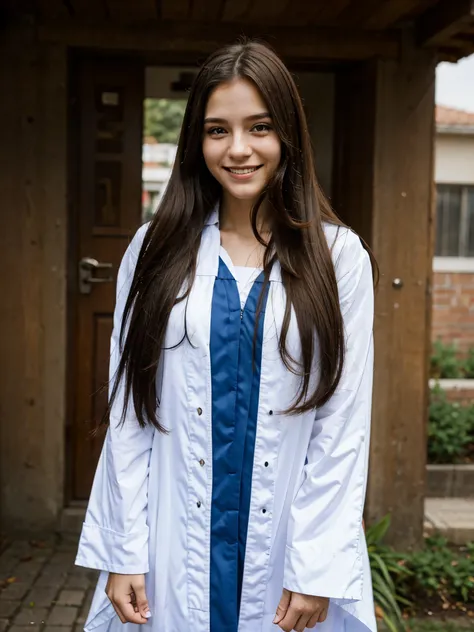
{"x":250,"y":195}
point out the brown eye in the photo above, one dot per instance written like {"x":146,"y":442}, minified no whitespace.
{"x":216,"y":131}
{"x":261,"y":127}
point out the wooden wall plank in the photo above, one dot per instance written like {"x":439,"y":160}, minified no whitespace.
{"x":196,"y":39}
{"x":32,"y":273}
{"x":387,"y":167}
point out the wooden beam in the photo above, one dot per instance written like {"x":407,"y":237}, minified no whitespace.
{"x":88,"y":9}
{"x":175,"y":9}
{"x":389,"y":13}
{"x":274,"y":11}
{"x":126,"y":11}
{"x":210,"y":10}
{"x":445,"y":19}
{"x":383,"y":188}
{"x":330,"y":11}
{"x":55,"y":9}
{"x":455,"y":50}
{"x":195,"y":39}
{"x":233,"y":11}
{"x":357,"y":12}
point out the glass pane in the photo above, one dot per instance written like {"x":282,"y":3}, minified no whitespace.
{"x":440,"y":203}
{"x":470,"y":220}
{"x":450,"y":220}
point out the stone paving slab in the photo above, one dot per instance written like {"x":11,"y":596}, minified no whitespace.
{"x":40,"y":588}
{"x":451,"y":517}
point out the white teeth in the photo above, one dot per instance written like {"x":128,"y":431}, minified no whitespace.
{"x":242,"y":171}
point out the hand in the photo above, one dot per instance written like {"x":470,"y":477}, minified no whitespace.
{"x":128,"y":597}
{"x":297,"y":612}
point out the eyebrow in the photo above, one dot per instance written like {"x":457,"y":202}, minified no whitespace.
{"x":252,"y":117}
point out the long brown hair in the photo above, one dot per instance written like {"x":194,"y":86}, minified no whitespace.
{"x":167,"y":259}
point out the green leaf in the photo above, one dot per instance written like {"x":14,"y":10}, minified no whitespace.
{"x":375,"y":533}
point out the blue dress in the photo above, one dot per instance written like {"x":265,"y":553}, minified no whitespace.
{"x":235,"y":370}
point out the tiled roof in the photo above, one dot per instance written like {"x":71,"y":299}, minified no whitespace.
{"x":451,"y":117}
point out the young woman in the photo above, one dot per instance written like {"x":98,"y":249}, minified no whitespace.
{"x":230,"y":489}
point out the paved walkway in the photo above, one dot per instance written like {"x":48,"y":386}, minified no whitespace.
{"x":452,"y":517}
{"x":41,"y":589}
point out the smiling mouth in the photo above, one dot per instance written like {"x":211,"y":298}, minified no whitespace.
{"x":242,"y":170}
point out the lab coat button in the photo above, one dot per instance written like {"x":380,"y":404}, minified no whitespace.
{"x":202,"y":462}
{"x":199,"y":411}
{"x":270,"y":412}
{"x":198,"y":504}
{"x":266,"y":463}
{"x":264,"y":510}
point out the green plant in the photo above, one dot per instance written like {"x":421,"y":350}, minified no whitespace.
{"x":445,"y":362}
{"x":450,"y":428}
{"x":469,"y":364}
{"x":387,"y":568}
{"x":442,"y":572}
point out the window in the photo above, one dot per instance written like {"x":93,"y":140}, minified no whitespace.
{"x":455,"y":221}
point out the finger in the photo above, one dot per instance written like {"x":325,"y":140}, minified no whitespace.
{"x":118,"y":611}
{"x":133,"y":601}
{"x":302,"y":623}
{"x":323,"y":615}
{"x":141,"y":600}
{"x":128,"y":612}
{"x":289,"y":621}
{"x":282,"y":606}
{"x":314,"y":619}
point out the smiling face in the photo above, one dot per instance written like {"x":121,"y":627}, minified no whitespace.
{"x":240,"y":147}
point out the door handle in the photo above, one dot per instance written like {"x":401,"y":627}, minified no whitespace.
{"x":87,"y":267}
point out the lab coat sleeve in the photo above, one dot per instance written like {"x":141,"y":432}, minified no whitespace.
{"x":324,"y":552}
{"x":114,"y":535}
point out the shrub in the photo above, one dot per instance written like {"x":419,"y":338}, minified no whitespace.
{"x":445,"y":362}
{"x":440,"y":572}
{"x":450,"y":429}
{"x":386,"y":569}
{"x":469,"y":364}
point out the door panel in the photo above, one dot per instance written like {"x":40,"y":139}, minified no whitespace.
{"x":110,"y":104}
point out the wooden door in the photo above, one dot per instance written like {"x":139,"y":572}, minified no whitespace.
{"x":109,"y":105}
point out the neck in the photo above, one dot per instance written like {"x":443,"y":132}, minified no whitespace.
{"x":235,"y":216}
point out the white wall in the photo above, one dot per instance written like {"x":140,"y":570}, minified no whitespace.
{"x":317,"y":91}
{"x":454,"y":159}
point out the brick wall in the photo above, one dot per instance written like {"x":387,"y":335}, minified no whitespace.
{"x":453,"y":308}
{"x":463,"y":396}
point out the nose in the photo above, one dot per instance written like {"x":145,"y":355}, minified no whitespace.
{"x":239,"y":147}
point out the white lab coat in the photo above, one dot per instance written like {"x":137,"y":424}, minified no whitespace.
{"x":149,"y":509}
